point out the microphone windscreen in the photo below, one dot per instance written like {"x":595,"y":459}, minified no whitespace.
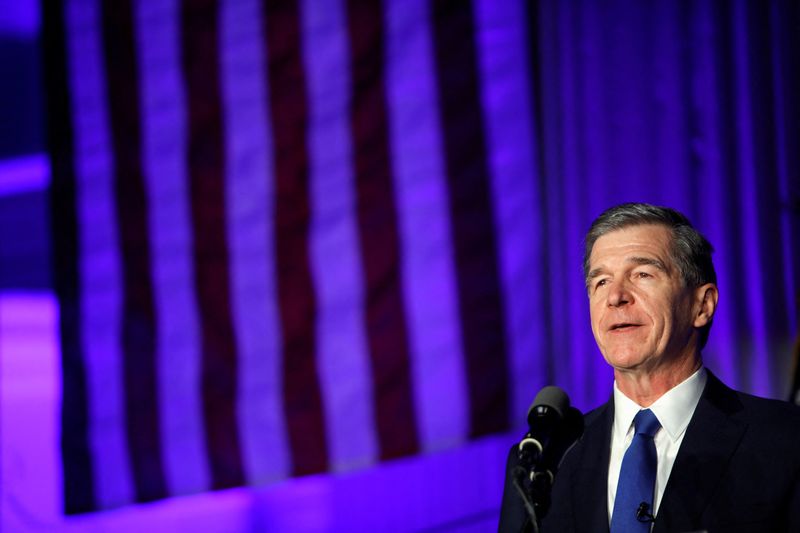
{"x":554,"y":398}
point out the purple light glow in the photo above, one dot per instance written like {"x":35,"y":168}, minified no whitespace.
{"x":20,"y":17}
{"x":24,"y":174}
{"x":30,"y":463}
{"x":421,"y":492}
{"x":615,"y":107}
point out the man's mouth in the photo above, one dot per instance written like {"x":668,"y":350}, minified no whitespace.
{"x":624,"y":326}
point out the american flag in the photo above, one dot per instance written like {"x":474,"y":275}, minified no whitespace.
{"x":291,"y":236}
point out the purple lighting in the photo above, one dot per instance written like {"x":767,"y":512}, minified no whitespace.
{"x":568,"y":108}
{"x":24,"y":174}
{"x":20,"y":17}
{"x":420,"y":492}
{"x":29,"y":397}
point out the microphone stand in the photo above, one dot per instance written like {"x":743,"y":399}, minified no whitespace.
{"x":527,"y":498}
{"x":554,"y":427}
{"x":534,"y":474}
{"x":533,"y":485}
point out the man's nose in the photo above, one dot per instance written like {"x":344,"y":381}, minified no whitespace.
{"x":619,"y":294}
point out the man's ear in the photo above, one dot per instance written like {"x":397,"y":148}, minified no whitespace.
{"x":706,"y":297}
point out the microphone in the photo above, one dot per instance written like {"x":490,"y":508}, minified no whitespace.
{"x":553,"y":427}
{"x":643,"y":515}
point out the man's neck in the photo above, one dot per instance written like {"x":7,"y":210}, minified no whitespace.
{"x":645,"y":386}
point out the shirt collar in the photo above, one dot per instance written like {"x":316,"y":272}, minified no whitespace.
{"x":674,"y":409}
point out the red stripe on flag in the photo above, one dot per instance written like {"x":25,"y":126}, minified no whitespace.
{"x":138,"y":312}
{"x":481,"y":307}
{"x":288,"y":108}
{"x":386,"y":322}
{"x":207,"y":189}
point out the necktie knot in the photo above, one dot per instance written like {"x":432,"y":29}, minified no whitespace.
{"x":646,"y":423}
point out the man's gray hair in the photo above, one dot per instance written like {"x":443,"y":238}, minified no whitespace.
{"x":690,"y":251}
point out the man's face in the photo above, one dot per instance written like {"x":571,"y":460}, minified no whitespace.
{"x":643,"y":316}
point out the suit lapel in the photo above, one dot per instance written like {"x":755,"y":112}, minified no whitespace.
{"x":590,"y":479}
{"x":711,"y":439}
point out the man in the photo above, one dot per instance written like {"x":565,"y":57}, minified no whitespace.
{"x":674,"y":449}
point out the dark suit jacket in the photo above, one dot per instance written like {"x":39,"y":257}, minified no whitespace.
{"x":738,"y":469}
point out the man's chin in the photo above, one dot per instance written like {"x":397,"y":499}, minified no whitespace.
{"x":626,"y":361}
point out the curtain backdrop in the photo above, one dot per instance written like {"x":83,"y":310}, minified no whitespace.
{"x":694,"y":105}
{"x":310,"y":235}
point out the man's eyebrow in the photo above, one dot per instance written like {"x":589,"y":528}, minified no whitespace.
{"x":649,"y":261}
{"x":595,"y":272}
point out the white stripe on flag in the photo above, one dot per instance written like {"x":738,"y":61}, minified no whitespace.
{"x":441,"y":399}
{"x":342,"y":353}
{"x":164,"y":162}
{"x":502,"y":44}
{"x":251,"y":234}
{"x":100,"y":274}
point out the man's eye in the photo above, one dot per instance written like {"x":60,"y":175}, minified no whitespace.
{"x":643,"y":275}
{"x":600,"y":283}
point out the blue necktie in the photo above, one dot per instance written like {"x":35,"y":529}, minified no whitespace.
{"x":637,"y":477}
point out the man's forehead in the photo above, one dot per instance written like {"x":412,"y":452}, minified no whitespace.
{"x":636,"y":260}
{"x":640,"y":244}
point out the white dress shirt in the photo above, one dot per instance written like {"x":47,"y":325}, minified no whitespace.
{"x":674,"y":410}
